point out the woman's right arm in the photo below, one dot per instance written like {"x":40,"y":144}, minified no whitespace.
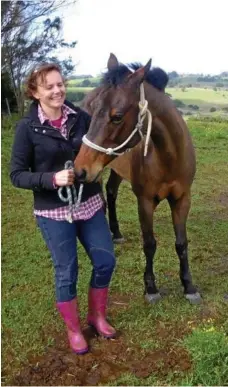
{"x":21,"y":161}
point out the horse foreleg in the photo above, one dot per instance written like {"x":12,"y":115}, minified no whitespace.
{"x":146,"y":210}
{"x":112,"y":187}
{"x":180,"y":209}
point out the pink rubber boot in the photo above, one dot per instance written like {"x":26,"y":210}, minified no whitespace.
{"x":70,"y":315}
{"x":97,"y":312}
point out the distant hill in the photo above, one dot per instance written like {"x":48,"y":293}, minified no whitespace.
{"x":175,"y":80}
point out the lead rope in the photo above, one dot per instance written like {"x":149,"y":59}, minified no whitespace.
{"x":71,"y":194}
{"x":143,"y":111}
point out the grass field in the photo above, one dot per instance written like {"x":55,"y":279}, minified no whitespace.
{"x":75,"y":82}
{"x":204,"y":98}
{"x":170,"y":343}
{"x":80,"y":89}
{"x":199,"y":96}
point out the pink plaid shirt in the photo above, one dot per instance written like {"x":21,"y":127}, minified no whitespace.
{"x":86,"y":209}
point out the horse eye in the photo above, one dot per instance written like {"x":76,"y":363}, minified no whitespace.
{"x":117,"y":119}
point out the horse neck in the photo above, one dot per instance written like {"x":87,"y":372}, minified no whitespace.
{"x":172,"y":125}
{"x":168,"y":127}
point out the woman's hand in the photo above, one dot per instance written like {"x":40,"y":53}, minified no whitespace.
{"x":64,"y":177}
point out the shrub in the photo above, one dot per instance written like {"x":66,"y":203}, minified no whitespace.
{"x":178,"y":103}
{"x":75,"y":96}
{"x":194,"y":107}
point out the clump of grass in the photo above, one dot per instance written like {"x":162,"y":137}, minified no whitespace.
{"x":209,"y":350}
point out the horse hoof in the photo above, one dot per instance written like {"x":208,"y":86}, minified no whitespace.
{"x":153,"y":298}
{"x":194,"y":298}
{"x":118,"y":241}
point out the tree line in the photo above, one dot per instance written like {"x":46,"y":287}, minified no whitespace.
{"x":31,"y":34}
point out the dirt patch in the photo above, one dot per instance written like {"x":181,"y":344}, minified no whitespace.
{"x":107,"y":359}
{"x":220,"y":267}
{"x":110,"y":359}
{"x":162,"y":362}
{"x":59,"y":366}
{"x":223,"y":199}
{"x":171,"y":357}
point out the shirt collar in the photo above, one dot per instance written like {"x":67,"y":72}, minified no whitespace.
{"x":66,"y":110}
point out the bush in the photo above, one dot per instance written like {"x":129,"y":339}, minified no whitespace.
{"x":213,"y":109}
{"x":9,"y":123}
{"x":210,"y":118}
{"x":178,"y":103}
{"x":75,"y":96}
{"x":7,"y":93}
{"x":194,"y":107}
{"x":86,"y":83}
{"x":95,"y":83}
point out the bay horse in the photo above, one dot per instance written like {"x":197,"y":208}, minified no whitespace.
{"x":162,"y":167}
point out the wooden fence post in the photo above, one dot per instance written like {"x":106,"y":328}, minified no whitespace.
{"x":8,"y":107}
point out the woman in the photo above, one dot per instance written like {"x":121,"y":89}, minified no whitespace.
{"x":46,"y":138}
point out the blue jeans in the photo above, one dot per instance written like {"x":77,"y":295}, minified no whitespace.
{"x":61,"y":239}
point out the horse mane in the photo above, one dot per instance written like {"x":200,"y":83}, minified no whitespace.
{"x":156,"y":76}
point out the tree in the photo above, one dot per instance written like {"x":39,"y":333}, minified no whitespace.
{"x":15,"y":14}
{"x":26,"y":42}
{"x":86,"y":83}
{"x":173,"y":75}
{"x":7,"y":93}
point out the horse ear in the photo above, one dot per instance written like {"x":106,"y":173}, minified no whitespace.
{"x":147,"y":68}
{"x":140,"y":74}
{"x":112,"y":62}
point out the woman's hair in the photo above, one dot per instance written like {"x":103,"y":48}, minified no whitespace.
{"x":39,"y":73}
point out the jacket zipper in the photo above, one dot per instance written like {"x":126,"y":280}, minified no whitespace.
{"x":68,"y":135}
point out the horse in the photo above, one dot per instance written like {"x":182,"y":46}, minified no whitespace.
{"x":129,"y":103}
{"x":119,"y":170}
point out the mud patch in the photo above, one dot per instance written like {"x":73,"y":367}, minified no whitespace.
{"x":162,"y":362}
{"x":110,"y":361}
{"x":219,"y":267}
{"x":59,"y":366}
{"x":223,"y":199}
{"x":107,"y":360}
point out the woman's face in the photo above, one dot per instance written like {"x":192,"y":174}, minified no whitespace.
{"x":52,"y":92}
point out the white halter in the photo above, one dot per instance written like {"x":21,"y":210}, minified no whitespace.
{"x":143,"y":111}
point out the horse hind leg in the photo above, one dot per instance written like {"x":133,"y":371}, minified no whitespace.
{"x":180,"y":209}
{"x":112,"y":187}
{"x":145,"y":210}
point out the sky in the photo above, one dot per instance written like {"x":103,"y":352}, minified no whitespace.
{"x":181,"y":35}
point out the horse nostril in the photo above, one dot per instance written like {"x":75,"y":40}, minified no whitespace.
{"x":81,"y":176}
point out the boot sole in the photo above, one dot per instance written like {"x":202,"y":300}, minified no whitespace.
{"x":82,"y":352}
{"x":112,"y":336}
